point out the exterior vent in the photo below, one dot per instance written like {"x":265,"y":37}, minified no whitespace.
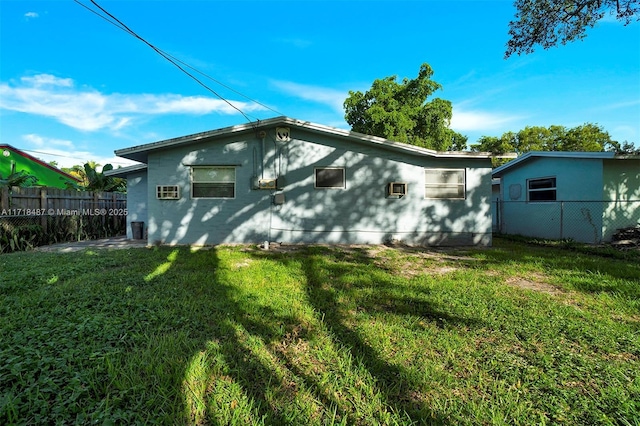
{"x":168,"y":192}
{"x":283,"y":134}
{"x":267,"y":183}
{"x":398,"y":189}
{"x":278,"y":199}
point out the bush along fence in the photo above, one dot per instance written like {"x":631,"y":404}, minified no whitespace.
{"x":592,"y":222}
{"x":31,"y":217}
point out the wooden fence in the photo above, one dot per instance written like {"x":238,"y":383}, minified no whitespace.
{"x":52,"y":202}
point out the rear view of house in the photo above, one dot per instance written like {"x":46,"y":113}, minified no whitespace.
{"x":290,"y":181}
{"x":583,"y":196}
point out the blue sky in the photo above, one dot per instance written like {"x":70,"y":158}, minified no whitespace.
{"x":73,"y":85}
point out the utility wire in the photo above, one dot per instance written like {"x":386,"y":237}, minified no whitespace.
{"x":60,"y":155}
{"x":173,"y":60}
{"x":133,"y":33}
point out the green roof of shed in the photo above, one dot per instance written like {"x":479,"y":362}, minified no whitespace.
{"x":47,"y":174}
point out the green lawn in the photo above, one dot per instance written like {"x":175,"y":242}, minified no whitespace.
{"x":516,"y":334}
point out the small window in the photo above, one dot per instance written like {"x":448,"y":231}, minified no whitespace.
{"x":330,"y":177}
{"x":213,"y":182}
{"x":167,"y":192}
{"x":444,"y":184}
{"x":542,"y":189}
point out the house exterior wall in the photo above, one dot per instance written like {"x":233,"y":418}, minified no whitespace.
{"x":136,"y":200}
{"x":578,"y":181}
{"x":622,"y":189}
{"x":359,"y":214}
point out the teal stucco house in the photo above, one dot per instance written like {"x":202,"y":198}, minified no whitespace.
{"x":582,"y":196}
{"x":290,"y":181}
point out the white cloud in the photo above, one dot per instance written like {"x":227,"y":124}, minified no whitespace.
{"x":31,"y":15}
{"x":65,"y":153}
{"x":47,"y":80}
{"x":477,"y":120}
{"x":90,"y":110}
{"x":323,"y":95}
{"x":175,"y":104}
{"x":39,"y":141}
{"x":618,"y":105}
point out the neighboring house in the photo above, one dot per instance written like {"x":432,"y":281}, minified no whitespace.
{"x":583,"y":196}
{"x":290,"y":181}
{"x":14,"y":160}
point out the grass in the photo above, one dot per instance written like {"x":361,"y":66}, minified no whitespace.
{"x":516,"y":334}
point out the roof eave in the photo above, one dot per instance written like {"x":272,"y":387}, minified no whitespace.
{"x":124,"y":171}
{"x":140,"y":152}
{"x":499,"y":171}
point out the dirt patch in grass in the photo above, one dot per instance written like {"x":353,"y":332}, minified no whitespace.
{"x":537,"y":283}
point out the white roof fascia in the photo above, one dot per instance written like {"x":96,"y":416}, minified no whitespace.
{"x":123,"y":171}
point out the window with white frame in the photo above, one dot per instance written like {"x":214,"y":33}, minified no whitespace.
{"x":330,"y":177}
{"x":213,"y":182}
{"x":542,"y":189}
{"x":167,"y":192}
{"x":444,"y":184}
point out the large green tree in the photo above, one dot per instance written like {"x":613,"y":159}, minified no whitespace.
{"x":546,"y":23}
{"x":403,"y":113}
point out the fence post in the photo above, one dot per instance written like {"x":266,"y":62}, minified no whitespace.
{"x":114,"y":206}
{"x":561,"y":220}
{"x":4,"y":198}
{"x":43,"y":207}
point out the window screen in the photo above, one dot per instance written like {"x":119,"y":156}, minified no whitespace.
{"x":444,"y":183}
{"x":330,"y":177}
{"x":542,"y":189}
{"x":213,"y":182}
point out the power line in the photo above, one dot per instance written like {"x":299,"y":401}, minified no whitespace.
{"x":60,"y":155}
{"x":173,"y":60}
{"x":161,"y":53}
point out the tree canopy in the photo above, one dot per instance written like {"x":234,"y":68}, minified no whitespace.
{"x":586,"y":137}
{"x":549,"y":22}
{"x":401,"y":112}
{"x":93,"y":180}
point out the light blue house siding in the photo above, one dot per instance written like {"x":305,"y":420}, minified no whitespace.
{"x":621,"y":179}
{"x":136,"y":193}
{"x":360,"y":213}
{"x":588,"y":206}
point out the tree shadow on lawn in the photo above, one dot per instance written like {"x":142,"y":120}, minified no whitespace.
{"x":586,"y":273}
{"x":192,"y":357}
{"x":342,"y":285}
{"x":232,"y":327}
{"x":244,"y":344}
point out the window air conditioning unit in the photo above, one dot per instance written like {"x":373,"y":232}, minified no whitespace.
{"x":398,"y":189}
{"x":267,"y":183}
{"x":167,"y":192}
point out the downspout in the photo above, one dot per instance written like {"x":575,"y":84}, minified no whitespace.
{"x":263,"y":135}
{"x":275,"y":157}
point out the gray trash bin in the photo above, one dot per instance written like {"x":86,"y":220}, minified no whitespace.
{"x":137,"y":230}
